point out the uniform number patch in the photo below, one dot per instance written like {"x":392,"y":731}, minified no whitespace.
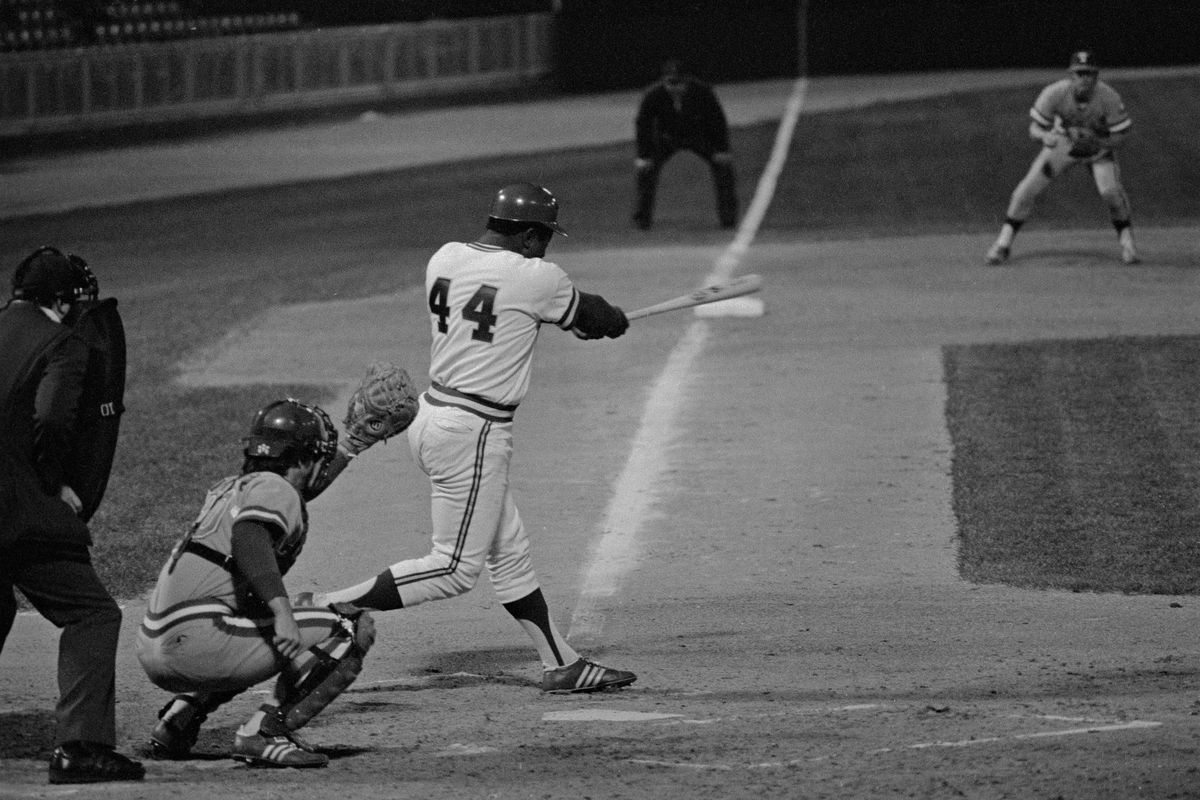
{"x":478,"y":310}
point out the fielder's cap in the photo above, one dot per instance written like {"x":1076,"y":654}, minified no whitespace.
{"x":1083,"y":61}
{"x":527,"y":202}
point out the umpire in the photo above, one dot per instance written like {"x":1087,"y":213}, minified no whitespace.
{"x":679,"y":112}
{"x":44,"y":542}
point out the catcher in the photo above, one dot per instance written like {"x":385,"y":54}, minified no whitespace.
{"x":1078,"y":120}
{"x":219,"y":620}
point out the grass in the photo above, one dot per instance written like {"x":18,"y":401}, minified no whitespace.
{"x":186,"y":271}
{"x":1076,"y":463}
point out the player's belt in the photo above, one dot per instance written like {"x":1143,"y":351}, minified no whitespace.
{"x":439,"y":395}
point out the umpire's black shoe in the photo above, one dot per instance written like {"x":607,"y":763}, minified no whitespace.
{"x":88,"y":762}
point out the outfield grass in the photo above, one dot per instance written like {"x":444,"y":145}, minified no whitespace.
{"x":186,"y":271}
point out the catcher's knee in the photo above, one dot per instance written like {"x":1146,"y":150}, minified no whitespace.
{"x":326,"y":669}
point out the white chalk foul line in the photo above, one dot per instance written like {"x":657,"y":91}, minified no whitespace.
{"x":615,"y":553}
{"x":1136,"y":724}
{"x":1096,"y":726}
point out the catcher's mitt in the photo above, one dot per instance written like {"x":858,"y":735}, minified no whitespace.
{"x":383,"y":405}
{"x":1084,"y":142}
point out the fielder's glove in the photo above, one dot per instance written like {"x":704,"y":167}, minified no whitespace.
{"x":383,"y":405}
{"x":1084,"y":142}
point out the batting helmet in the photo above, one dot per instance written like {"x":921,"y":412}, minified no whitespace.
{"x":291,"y":429}
{"x":526,"y":202}
{"x":48,"y":274}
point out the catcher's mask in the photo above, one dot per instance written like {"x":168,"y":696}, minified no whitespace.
{"x":289,"y":429}
{"x":48,"y":274}
{"x":526,"y":202}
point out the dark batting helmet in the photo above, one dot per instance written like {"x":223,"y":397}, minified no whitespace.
{"x":48,"y":274}
{"x":289,"y":429}
{"x":527,"y":202}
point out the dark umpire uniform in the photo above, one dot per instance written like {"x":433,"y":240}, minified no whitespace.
{"x":681,"y":113}
{"x":44,"y":540}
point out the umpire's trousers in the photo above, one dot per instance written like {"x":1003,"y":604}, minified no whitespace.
{"x":724,"y":183}
{"x":65,"y":589}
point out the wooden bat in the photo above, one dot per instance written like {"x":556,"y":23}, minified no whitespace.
{"x":735,"y":287}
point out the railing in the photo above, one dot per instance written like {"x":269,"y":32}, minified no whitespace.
{"x":101,"y":87}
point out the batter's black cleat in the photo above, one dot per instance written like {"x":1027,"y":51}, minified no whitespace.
{"x":584,"y":676}
{"x":175,"y":734}
{"x":89,"y":762}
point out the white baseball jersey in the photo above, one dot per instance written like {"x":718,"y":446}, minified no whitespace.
{"x":487,"y":305}
{"x":1057,"y":107}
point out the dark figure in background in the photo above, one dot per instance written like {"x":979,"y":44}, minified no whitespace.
{"x":44,"y":542}
{"x":677,"y":113}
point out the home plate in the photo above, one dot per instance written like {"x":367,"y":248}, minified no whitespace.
{"x":733,"y":307}
{"x":604,"y":715}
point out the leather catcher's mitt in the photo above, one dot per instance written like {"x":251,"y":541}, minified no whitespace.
{"x":383,"y":405}
{"x":1084,"y":142}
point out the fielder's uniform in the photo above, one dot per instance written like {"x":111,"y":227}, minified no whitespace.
{"x":204,"y":631}
{"x":487,"y":305}
{"x":1057,"y":109}
{"x":1072,"y":117}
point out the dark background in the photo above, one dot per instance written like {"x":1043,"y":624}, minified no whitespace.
{"x":618,"y":44}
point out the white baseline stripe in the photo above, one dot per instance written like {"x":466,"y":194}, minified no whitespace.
{"x":615,"y":553}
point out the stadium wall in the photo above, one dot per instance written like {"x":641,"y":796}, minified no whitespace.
{"x":147,"y":83}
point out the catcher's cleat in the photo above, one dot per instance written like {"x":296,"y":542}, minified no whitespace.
{"x":998,"y":254}
{"x":175,"y":734}
{"x":584,"y":676}
{"x":275,"y":751}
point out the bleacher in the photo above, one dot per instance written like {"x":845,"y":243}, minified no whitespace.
{"x":44,"y":24}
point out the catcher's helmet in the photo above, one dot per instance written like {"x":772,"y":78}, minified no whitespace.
{"x":48,"y":274}
{"x":526,"y":202}
{"x":291,"y":429}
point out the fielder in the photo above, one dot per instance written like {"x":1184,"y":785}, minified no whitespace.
{"x":487,"y":302}
{"x":219,"y":621}
{"x":1078,"y":120}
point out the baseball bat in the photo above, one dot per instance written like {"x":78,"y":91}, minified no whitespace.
{"x":735,"y":287}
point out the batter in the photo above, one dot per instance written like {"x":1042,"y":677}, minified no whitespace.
{"x":487,"y":301}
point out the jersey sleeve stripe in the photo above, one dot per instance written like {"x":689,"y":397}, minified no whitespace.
{"x":264,"y":515}
{"x":568,"y":318}
{"x":1121,"y":126}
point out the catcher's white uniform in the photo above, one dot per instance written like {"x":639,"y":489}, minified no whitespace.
{"x":1078,"y":120}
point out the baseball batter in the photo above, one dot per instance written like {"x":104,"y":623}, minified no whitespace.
{"x":487,"y":302}
{"x":1078,"y":120}
{"x":219,"y":620}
